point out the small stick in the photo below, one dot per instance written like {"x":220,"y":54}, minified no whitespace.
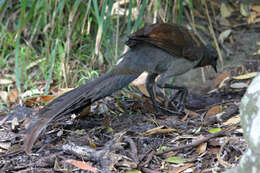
{"x":193,"y":144}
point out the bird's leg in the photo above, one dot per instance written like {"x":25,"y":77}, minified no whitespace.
{"x":149,"y":86}
{"x":150,"y":80}
{"x":181,"y":93}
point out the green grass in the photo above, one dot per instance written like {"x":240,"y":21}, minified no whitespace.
{"x":75,"y":40}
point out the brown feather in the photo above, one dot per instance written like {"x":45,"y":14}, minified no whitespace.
{"x":175,"y":39}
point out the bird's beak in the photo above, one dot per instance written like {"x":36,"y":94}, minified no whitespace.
{"x":214,"y":67}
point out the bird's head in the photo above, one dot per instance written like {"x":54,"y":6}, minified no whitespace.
{"x":210,"y":57}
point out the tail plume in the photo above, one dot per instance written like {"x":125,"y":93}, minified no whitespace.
{"x":74,"y":101}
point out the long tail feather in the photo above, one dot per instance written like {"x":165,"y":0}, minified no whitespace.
{"x":73,"y":101}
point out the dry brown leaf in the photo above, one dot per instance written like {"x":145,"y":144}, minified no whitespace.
{"x":245,"y":76}
{"x":233,"y":120}
{"x":82,"y":165}
{"x":91,"y":142}
{"x":202,"y":148}
{"x":13,"y":96}
{"x":256,"y":8}
{"x":61,"y":91}
{"x":253,"y":17}
{"x":84,"y":112}
{"x":213,"y":150}
{"x":214,"y":110}
{"x":160,"y":130}
{"x":6,"y":81}
{"x":181,"y":168}
{"x":221,"y":77}
{"x":38,"y":100}
{"x":30,"y":101}
{"x":187,"y":113}
{"x":46,"y":99}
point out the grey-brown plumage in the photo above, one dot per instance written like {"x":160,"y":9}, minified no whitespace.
{"x":168,"y":50}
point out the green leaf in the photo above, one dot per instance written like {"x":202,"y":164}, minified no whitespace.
{"x":162,"y":148}
{"x":214,"y":130}
{"x":175,"y":160}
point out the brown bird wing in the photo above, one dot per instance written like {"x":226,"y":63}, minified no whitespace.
{"x":175,"y":39}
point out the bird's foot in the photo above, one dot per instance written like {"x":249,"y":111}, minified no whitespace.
{"x":178,"y":100}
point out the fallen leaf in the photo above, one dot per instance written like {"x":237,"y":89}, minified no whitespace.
{"x":256,"y":8}
{"x":221,"y":77}
{"x":226,"y":10}
{"x":38,"y":100}
{"x":5,"y":145}
{"x":13,"y":96}
{"x":214,"y":150}
{"x":257,"y":52}
{"x":245,"y":76}
{"x":214,"y":130}
{"x":162,"y":148}
{"x":244,"y":9}
{"x":63,"y":90}
{"x":240,"y":130}
{"x":238,"y":85}
{"x":84,"y":112}
{"x":82,"y":165}
{"x":6,"y":81}
{"x":175,"y":160}
{"x":223,"y":35}
{"x":202,"y":148}
{"x":214,"y":110}
{"x":15,"y":123}
{"x":253,"y":17}
{"x":160,"y":130}
{"x":4,"y":96}
{"x":91,"y":142}
{"x":31,"y":93}
{"x":233,"y":120}
{"x":181,"y":168}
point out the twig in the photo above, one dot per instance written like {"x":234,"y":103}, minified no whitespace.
{"x":133,"y":149}
{"x":193,"y":144}
{"x":149,"y":158}
{"x":147,"y":170}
